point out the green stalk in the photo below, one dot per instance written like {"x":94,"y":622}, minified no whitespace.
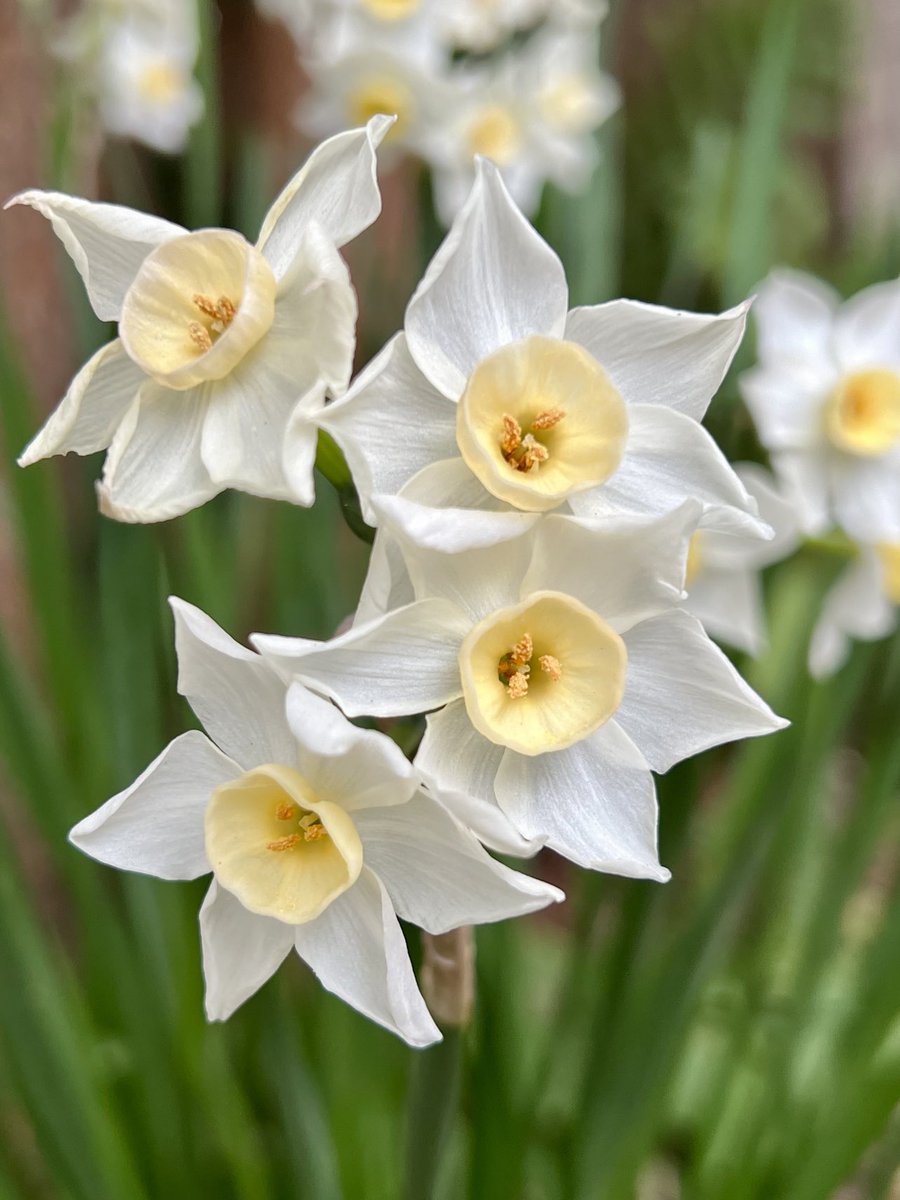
{"x":433,"y":1099}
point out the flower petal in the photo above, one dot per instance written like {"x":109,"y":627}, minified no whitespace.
{"x":658,"y":355}
{"x":593,"y":803}
{"x":387,"y":584}
{"x":794,"y":315}
{"x":729,"y":605}
{"x":154,"y":469}
{"x":787,"y":401}
{"x":156,"y":825}
{"x":391,"y":423}
{"x":855,"y":607}
{"x":866,"y":328}
{"x":337,"y":187}
{"x":683,"y":695}
{"x":357,"y":950}
{"x":493,"y":280}
{"x":402,"y":663}
{"x":106,"y":242}
{"x":450,"y":530}
{"x":726,"y":549}
{"x":436,"y":873}
{"x":803,"y":477}
{"x":867,"y":497}
{"x":241,"y":951}
{"x":237,"y":696}
{"x":87,"y":417}
{"x":459,"y":764}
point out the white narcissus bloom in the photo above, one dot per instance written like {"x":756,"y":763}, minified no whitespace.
{"x":862,"y":604}
{"x":723,"y":566}
{"x":557,"y":671}
{"x":826,"y":401}
{"x":317,"y":834}
{"x":480,"y":25}
{"x":225,"y":348}
{"x":497,"y":398}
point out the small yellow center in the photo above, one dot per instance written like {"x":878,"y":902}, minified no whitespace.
{"x":569,"y":104}
{"x":496,"y":133}
{"x":695,"y":557}
{"x":197,"y":305}
{"x":543,"y":674}
{"x":391,"y":10}
{"x":160,"y":83}
{"x":278,"y":848}
{"x":889,"y":557}
{"x":382,"y":94}
{"x":863,"y":413}
{"x":538,"y":421}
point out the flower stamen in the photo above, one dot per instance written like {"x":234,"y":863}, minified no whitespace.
{"x":200,"y":336}
{"x":522,"y":450}
{"x":551,"y":666}
{"x":517,"y":686}
{"x":285,"y":843}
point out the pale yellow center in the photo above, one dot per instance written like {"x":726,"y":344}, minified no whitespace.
{"x":390,"y":10}
{"x":382,"y":94}
{"x":568,"y":103}
{"x":159,"y":83}
{"x":278,"y":848}
{"x":540,"y":420}
{"x":543,"y":674}
{"x":197,"y":305}
{"x":495,"y":133}
{"x":889,"y":557}
{"x":695,"y":557}
{"x":863,"y":412}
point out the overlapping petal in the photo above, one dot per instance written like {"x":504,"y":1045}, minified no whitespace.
{"x":794,"y":315}
{"x":241,"y":951}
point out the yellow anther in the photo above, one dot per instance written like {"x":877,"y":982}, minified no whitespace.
{"x":518,"y":686}
{"x":285,"y":843}
{"x":512,"y":436}
{"x":313,"y":832}
{"x":522,"y":651}
{"x":200,"y":336}
{"x":546,"y":420}
{"x":550,"y":666}
{"x":533,"y":453}
{"x":285,"y":811}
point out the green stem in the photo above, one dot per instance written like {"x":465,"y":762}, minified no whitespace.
{"x":433,"y":1099}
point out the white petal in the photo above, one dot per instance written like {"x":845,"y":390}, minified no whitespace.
{"x":154,"y":470}
{"x":156,"y":825}
{"x":867,"y":497}
{"x":90,"y":412}
{"x":106,"y":242}
{"x":355,"y":768}
{"x":357,"y":950}
{"x":459,"y":764}
{"x":387,"y":584}
{"x":450,"y":530}
{"x":669,"y":459}
{"x":301,"y":442}
{"x":867,"y":328}
{"x":402,"y":663}
{"x":794,"y":315}
{"x":736,"y":551}
{"x":241,"y":950}
{"x":435,"y":872}
{"x":856,"y":607}
{"x":659,"y":355}
{"x":477,"y":581}
{"x":237,"y":696}
{"x":624,"y":568}
{"x":803,"y":477}
{"x":786,"y":401}
{"x":337,"y":187}
{"x":593,"y":803}
{"x":682,"y":695}
{"x":391,"y":423}
{"x":729,"y":604}
{"x":494,"y":280}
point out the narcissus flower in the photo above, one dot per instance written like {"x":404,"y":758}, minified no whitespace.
{"x":497,"y":398}
{"x":557,"y":670}
{"x":225,"y":348}
{"x":317,"y":834}
{"x":826,"y":401}
{"x":862,"y":604}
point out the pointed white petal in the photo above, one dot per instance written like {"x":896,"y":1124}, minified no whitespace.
{"x":239,"y":699}
{"x":435,"y":872}
{"x":477,"y":581}
{"x":387,"y":585}
{"x":794,"y":316}
{"x":301,"y":442}
{"x":867,"y":497}
{"x":337,"y":187}
{"x":156,"y":825}
{"x":357,"y":950}
{"x":402,"y":663}
{"x":867,"y":328}
{"x":669,"y":459}
{"x":726,"y":549}
{"x":107,"y":243}
{"x":494,"y":280}
{"x":92,"y":409}
{"x":450,"y":530}
{"x":683,"y":695}
{"x":786,"y":401}
{"x":391,"y":423}
{"x":241,"y":951}
{"x":803,"y":477}
{"x":729,"y":605}
{"x":154,"y":470}
{"x":355,"y":768}
{"x":659,"y":355}
{"x":593,"y":803}
{"x":856,"y":607}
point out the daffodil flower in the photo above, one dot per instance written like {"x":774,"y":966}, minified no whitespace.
{"x":825,"y":397}
{"x":497,"y":399}
{"x":225,"y":349}
{"x":557,"y":670}
{"x":862,"y":604}
{"x":317,"y":834}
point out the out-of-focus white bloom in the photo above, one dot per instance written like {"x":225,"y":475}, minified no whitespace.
{"x":316,"y":832}
{"x":297,"y":15}
{"x":225,"y":349}
{"x":557,"y":669}
{"x":862,"y":604}
{"x":723,"y":565}
{"x":496,"y":400}
{"x":481,"y":25}
{"x":826,"y":400}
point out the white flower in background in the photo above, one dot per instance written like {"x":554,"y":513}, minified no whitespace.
{"x":481,"y":25}
{"x":497,"y":398}
{"x":297,"y":15}
{"x":862,"y":604}
{"x":826,"y":401}
{"x":317,"y":834}
{"x":224,"y":348}
{"x":557,"y":669}
{"x":723,"y":566}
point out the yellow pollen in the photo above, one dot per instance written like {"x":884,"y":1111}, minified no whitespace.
{"x":550,"y":666}
{"x":518,"y":686}
{"x":160,"y":83}
{"x":285,"y":843}
{"x":284,"y":811}
{"x":863,"y":413}
{"x":523,"y":451}
{"x":382,"y":94}
{"x":200,"y":336}
{"x":390,"y":10}
{"x":512,"y":436}
{"x":546,"y":420}
{"x":496,"y":134}
{"x":522,"y":651}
